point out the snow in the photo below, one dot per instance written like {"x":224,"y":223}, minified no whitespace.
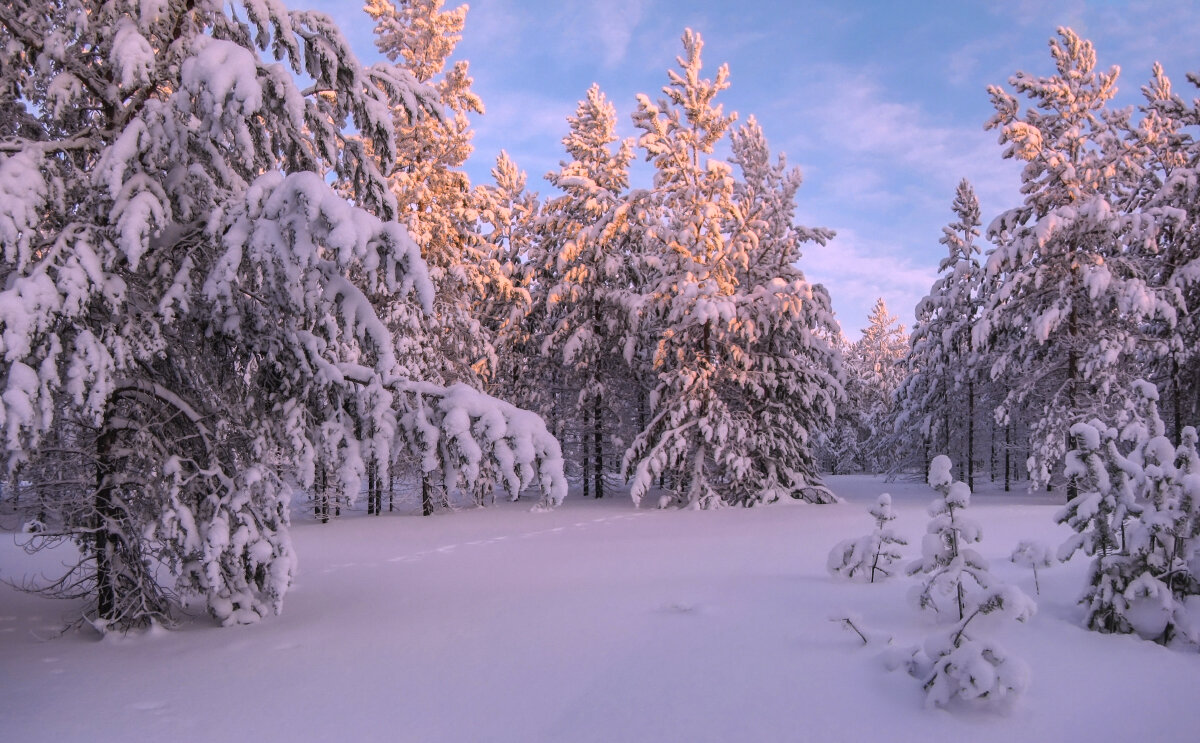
{"x":592,"y":622}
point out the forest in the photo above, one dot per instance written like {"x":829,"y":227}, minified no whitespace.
{"x":247,"y":280}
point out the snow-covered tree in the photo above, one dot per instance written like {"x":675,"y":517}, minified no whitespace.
{"x":1035,"y":556}
{"x":1166,"y":197}
{"x":952,"y":664}
{"x":1104,"y":479}
{"x":937,"y":395}
{"x":791,"y":376}
{"x":692,"y":291}
{"x":1136,"y":515}
{"x":177,"y":285}
{"x":581,"y":323}
{"x":507,"y":215}
{"x":436,"y":201}
{"x":732,"y":346}
{"x":1071,"y":301}
{"x":196,"y":264}
{"x":870,"y":556}
{"x":946,"y":562}
{"x":874,"y":370}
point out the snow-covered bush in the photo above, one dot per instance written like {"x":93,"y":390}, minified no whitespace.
{"x":953,"y":665}
{"x":949,"y":567}
{"x":1034,"y":555}
{"x":871,"y":556}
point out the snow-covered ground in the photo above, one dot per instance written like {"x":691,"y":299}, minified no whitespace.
{"x":595,"y":622}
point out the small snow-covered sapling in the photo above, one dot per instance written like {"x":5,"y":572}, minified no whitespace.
{"x":953,"y":665}
{"x":873,"y":554}
{"x":945,"y":560}
{"x":1033,"y":555}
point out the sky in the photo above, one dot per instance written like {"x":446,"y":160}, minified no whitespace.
{"x":882,"y":104}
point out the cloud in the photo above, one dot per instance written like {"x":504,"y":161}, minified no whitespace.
{"x":524,"y":124}
{"x":613,"y":24}
{"x":858,"y":270}
{"x":885,"y":141}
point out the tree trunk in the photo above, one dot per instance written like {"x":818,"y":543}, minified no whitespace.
{"x":598,"y":444}
{"x":426,"y":495}
{"x":1007,"y":454}
{"x":992,"y":452}
{"x":105,"y":542}
{"x":372,"y":490}
{"x":1176,"y":400}
{"x":971,"y":433}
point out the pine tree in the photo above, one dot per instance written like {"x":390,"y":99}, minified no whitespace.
{"x":946,"y":560}
{"x":692,"y":291}
{"x":507,"y":216}
{"x":437,"y":203}
{"x":581,"y":326}
{"x":940,"y":385}
{"x":875,"y":367}
{"x":1105,"y":500}
{"x":873,"y":554}
{"x":181,"y":283}
{"x":1136,"y":514}
{"x":791,"y":375}
{"x":1166,"y":199}
{"x":737,"y":338}
{"x":1071,"y":301}
{"x":953,"y":665}
{"x":198,"y":268}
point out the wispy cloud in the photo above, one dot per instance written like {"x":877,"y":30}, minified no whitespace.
{"x":858,"y":270}
{"x":885,"y":142}
{"x":525,"y":124}
{"x":609,"y":26}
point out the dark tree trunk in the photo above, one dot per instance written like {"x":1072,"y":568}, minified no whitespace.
{"x":105,"y":542}
{"x":1176,"y":400}
{"x":372,"y":490}
{"x":321,"y":502}
{"x":598,"y":444}
{"x":585,"y":453}
{"x":1007,"y":455}
{"x":426,"y":495}
{"x":992,"y":452}
{"x":971,"y":433}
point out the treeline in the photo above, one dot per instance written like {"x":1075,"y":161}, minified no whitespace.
{"x":1082,"y":290}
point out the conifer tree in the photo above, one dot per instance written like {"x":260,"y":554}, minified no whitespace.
{"x":732,"y":347}
{"x":437,"y":203}
{"x":1071,"y":301}
{"x":692,"y":290}
{"x":946,"y":560}
{"x":875,"y":368}
{"x":507,"y":215}
{"x":940,"y":385}
{"x":200,"y":266}
{"x":871,"y":556}
{"x":791,"y":370}
{"x":581,"y":323}
{"x":184,"y":294}
{"x":1167,"y":198}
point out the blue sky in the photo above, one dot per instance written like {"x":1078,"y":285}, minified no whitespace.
{"x":882,"y":104}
